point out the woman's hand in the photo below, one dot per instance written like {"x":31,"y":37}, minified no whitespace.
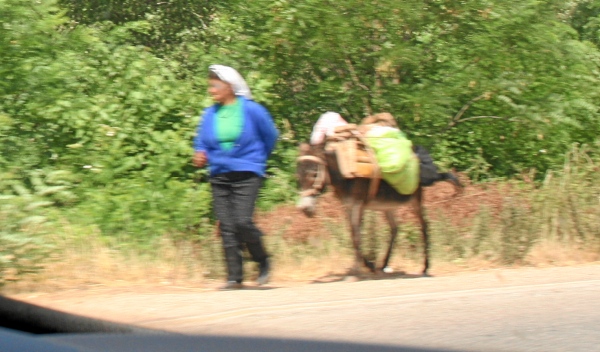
{"x":199,"y":159}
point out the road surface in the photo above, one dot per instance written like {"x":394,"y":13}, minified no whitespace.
{"x":549,"y":309}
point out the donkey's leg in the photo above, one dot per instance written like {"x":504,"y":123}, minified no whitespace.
{"x":418,"y":205}
{"x":355,"y":215}
{"x":391,"y":219}
{"x":354,"y":221}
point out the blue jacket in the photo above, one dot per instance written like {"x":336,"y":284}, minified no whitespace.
{"x":252,"y":148}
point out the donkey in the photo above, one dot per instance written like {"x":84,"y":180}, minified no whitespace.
{"x":317,"y":168}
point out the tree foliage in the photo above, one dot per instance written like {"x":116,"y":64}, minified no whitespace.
{"x":108,"y":122}
{"x":99,"y":99}
{"x":163,"y":23}
{"x":505,"y":83}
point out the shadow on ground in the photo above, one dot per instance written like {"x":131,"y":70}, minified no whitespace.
{"x":348,"y":276}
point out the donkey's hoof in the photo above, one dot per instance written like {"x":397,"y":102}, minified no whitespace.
{"x":425,"y":274}
{"x":387,"y":270}
{"x":351,"y":278}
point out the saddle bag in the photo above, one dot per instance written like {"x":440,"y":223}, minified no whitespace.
{"x":376,"y":149}
{"x":355,"y":159}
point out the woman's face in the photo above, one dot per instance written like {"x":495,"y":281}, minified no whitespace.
{"x":220,"y":91}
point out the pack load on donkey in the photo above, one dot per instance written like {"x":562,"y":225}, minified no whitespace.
{"x":375,"y":149}
{"x":358,"y":161}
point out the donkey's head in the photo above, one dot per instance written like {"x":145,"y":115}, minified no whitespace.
{"x":311,"y":171}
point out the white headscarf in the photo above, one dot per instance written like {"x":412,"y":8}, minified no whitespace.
{"x":233,"y":77}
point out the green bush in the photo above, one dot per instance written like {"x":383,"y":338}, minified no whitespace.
{"x":24,"y":249}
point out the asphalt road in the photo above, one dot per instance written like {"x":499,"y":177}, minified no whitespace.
{"x":551,"y":309}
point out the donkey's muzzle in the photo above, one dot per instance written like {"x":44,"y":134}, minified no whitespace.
{"x":307,"y":205}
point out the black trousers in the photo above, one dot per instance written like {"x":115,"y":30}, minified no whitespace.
{"x":234,"y":199}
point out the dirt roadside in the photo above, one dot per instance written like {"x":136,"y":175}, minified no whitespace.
{"x":393,"y":309}
{"x":187,"y":310}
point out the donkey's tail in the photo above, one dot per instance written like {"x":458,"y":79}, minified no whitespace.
{"x":431,"y":179}
{"x":450,"y":177}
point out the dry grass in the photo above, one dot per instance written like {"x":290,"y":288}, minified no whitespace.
{"x":548,"y":253}
{"x":93,"y":264}
{"x":97,"y":266}
{"x":488,"y":226}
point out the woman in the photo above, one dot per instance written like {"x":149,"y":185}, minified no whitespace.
{"x":235,"y":137}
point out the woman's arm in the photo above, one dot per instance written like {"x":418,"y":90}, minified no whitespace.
{"x":200,"y":159}
{"x":266,"y":128}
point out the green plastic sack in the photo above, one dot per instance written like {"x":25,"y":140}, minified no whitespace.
{"x":397,"y":161}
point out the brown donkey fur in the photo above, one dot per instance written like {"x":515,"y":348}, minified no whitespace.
{"x":317,"y":168}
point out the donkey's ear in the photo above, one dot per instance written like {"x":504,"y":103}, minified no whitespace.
{"x":304,"y":148}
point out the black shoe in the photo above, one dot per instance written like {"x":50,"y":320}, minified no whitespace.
{"x":264,"y":272}
{"x":232,"y":285}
